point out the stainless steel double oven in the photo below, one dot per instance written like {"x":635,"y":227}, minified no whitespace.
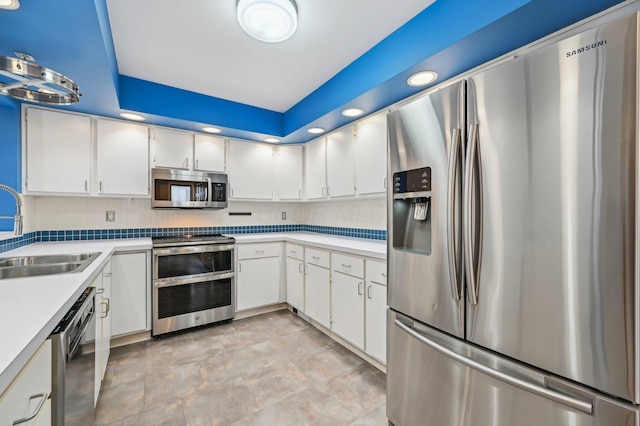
{"x":193,"y":281}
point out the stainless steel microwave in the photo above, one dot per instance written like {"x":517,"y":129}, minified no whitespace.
{"x":184,"y":189}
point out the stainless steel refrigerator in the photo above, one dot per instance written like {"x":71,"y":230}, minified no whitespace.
{"x":513,"y":241}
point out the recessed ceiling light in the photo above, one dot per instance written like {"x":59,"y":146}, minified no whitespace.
{"x":315,"y":130}
{"x":211,"y":129}
{"x":352,"y":112}
{"x":422,"y":78}
{"x":9,"y":4}
{"x":268,"y":20}
{"x":272,"y":140}
{"x":131,"y":116}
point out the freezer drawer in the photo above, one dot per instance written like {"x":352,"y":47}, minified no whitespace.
{"x":434,"y":379}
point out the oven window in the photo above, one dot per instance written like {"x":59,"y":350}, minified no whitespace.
{"x":188,"y":298}
{"x":193,"y":263}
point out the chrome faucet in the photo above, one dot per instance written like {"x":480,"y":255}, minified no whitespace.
{"x":18,"y":217}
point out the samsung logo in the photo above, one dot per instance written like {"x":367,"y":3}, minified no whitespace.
{"x":586,"y":48}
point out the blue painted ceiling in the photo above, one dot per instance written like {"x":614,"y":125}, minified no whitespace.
{"x":451,"y":36}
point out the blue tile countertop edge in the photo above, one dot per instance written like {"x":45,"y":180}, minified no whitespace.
{"x":111,"y":234}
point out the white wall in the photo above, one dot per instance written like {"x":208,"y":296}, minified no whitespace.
{"x":71,"y":213}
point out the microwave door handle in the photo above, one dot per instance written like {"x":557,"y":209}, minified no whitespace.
{"x":209,"y":195}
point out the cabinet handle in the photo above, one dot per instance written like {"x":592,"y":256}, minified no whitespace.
{"x":107,"y":274}
{"x":293,"y":251}
{"x":369,"y":292}
{"x":86,"y":186}
{"x":384,"y":275}
{"x":259,"y":251}
{"x":300,"y":268}
{"x":323,"y":191}
{"x":108,"y":306}
{"x":186,"y":162}
{"x":99,"y":290}
{"x":43,"y":398}
{"x":299,"y":193}
{"x":360,"y":288}
{"x":197,"y":162}
{"x":100,"y":186}
{"x":231,"y":191}
{"x":346,"y":266}
{"x":328,"y":191}
{"x":239,"y":267}
{"x":385,"y":183}
{"x":315,"y":257}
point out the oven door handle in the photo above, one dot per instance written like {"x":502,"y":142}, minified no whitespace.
{"x":191,"y":249}
{"x":174,"y":281}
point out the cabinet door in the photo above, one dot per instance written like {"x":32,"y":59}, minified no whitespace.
{"x":371,"y":155}
{"x":129,"y":293}
{"x":208,"y":153}
{"x":317,"y":299}
{"x":58,"y":152}
{"x":289,"y":169}
{"x":341,"y":163}
{"x":295,"y":283}
{"x":258,"y":282}
{"x":172,"y":149}
{"x":105,"y":319}
{"x":347,"y":308}
{"x":98,"y":339}
{"x":375,"y":321}
{"x":33,"y":380}
{"x":250,"y":167}
{"x":316,"y":169}
{"x":122,"y":158}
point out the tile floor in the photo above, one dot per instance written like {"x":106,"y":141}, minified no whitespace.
{"x":272,"y":369}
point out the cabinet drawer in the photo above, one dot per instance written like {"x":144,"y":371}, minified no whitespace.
{"x":256,"y":251}
{"x":19,"y":400}
{"x":295,"y":251}
{"x":348,"y":265}
{"x":317,"y":257}
{"x":377,"y":271}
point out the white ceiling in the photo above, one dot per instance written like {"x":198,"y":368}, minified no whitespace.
{"x":198,"y":45}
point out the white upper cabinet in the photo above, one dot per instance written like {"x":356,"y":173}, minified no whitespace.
{"x":341,"y":163}
{"x":316,"y":169}
{"x":289,"y":161}
{"x":208,"y":153}
{"x":250,"y":168}
{"x":371,"y":155}
{"x":122,"y":158}
{"x":172,"y":148}
{"x":57,"y":152}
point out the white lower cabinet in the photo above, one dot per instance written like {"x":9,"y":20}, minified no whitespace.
{"x":130,"y":292}
{"x":347,"y":308}
{"x":376,"y":310}
{"x":29,"y":393}
{"x":258,"y":275}
{"x":295,"y":283}
{"x":102,"y":283}
{"x":317,"y":286}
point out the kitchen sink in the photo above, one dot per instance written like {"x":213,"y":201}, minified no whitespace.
{"x":31,"y":266}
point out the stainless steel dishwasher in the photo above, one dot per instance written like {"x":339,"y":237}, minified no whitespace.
{"x":73,"y":372}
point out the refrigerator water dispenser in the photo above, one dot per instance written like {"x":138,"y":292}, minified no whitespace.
{"x":412,"y":210}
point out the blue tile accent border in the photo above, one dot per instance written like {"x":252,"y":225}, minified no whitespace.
{"x":111,"y":234}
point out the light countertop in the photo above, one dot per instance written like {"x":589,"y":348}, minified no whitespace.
{"x":359,"y":246}
{"x":31,"y":307}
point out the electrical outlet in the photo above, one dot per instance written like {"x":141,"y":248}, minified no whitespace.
{"x":111,"y":215}
{"x":284,"y":215}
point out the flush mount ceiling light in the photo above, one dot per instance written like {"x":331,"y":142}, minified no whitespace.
{"x":422,"y":78}
{"x":9,"y":4}
{"x":352,"y":112}
{"x":272,"y":140}
{"x":315,"y":130}
{"x":211,"y":129}
{"x":271,"y":21}
{"x":132,"y":116}
{"x":23,"y":79}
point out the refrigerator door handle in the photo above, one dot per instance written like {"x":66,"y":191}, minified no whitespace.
{"x":470,"y":264}
{"x":453,"y":223}
{"x":534,"y":388}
